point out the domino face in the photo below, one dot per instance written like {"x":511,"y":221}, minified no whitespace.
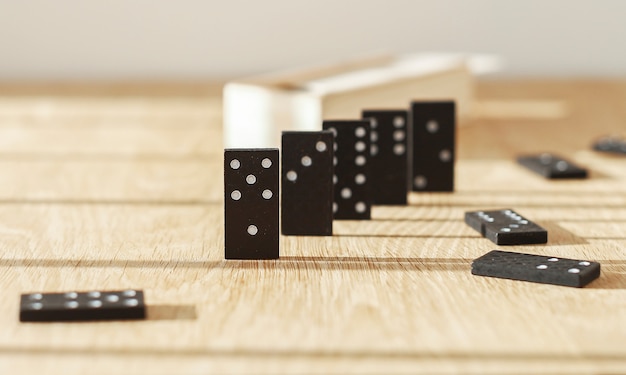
{"x":388,"y":156}
{"x":552,"y":166}
{"x":506,"y":227}
{"x":433,"y":126}
{"x":82,"y":306}
{"x":251,"y":203}
{"x":307,"y":183}
{"x":352,"y":196}
{"x":612,"y":145}
{"x":536,"y":268}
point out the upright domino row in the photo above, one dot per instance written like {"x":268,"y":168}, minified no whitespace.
{"x":337,"y":173}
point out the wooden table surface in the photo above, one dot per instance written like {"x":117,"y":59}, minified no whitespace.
{"x":114,"y":189}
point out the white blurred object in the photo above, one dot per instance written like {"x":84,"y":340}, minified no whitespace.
{"x":258,"y":109}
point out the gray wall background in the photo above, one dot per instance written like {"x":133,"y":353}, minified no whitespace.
{"x":194,"y":39}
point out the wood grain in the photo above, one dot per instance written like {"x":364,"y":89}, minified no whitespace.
{"x":110,"y":192}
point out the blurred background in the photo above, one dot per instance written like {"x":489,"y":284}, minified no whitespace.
{"x":43,"y":40}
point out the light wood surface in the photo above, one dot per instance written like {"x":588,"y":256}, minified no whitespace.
{"x":102,"y":191}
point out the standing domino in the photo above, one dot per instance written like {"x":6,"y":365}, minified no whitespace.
{"x":251,"y":203}
{"x":352,"y":192}
{"x":307,"y":183}
{"x":388,"y":156}
{"x":433,"y":125}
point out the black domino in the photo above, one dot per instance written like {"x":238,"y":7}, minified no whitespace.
{"x":506,"y":227}
{"x":433,"y":151}
{"x":536,"y":268}
{"x":611,"y":145}
{"x":388,"y":156}
{"x":552,"y":166}
{"x":82,"y":306}
{"x":307,"y":183}
{"x":352,"y":196}
{"x":251,"y":203}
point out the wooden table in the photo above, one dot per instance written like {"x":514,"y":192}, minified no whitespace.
{"x":122,"y":188}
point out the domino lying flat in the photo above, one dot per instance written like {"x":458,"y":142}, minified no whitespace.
{"x":552,"y":166}
{"x":506,"y":227}
{"x":82,"y":306}
{"x":536,"y":268}
{"x":613,"y":145}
